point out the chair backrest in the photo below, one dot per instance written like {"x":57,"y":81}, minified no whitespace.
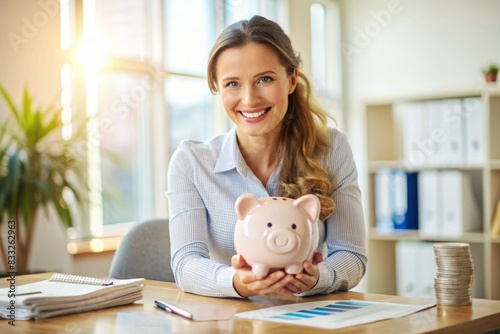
{"x":144,"y":252}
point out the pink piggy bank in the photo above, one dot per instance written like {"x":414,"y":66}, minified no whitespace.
{"x":276,"y":232}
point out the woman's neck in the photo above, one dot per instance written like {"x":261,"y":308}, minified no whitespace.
{"x":260,"y":154}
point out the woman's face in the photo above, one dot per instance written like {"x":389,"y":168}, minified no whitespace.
{"x":254,"y":88}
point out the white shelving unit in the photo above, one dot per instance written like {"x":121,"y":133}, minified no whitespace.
{"x":385,"y":150}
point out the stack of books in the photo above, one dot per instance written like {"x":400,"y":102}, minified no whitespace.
{"x":66,"y":294}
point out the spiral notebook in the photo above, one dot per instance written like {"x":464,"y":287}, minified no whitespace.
{"x":86,"y":280}
{"x":65,"y":294}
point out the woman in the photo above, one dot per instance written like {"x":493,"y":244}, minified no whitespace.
{"x":280,"y":146}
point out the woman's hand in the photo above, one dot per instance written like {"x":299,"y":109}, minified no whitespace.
{"x":247,"y":284}
{"x":307,"y":279}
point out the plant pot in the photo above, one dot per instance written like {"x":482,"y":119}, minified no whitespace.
{"x":490,"y":77}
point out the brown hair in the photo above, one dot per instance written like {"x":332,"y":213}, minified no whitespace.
{"x":303,"y":137}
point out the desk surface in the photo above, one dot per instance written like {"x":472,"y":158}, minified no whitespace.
{"x":482,"y":316}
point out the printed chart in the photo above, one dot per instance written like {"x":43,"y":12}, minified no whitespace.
{"x":333,"y":314}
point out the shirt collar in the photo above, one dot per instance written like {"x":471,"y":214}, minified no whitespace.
{"x":229,"y":156}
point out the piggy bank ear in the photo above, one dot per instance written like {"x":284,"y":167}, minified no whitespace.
{"x":310,"y":204}
{"x":244,"y":204}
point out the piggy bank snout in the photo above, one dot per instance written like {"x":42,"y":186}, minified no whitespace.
{"x":282,"y":240}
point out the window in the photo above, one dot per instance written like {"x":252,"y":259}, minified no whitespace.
{"x":333,"y":52}
{"x":117,"y":61}
{"x":326,"y":56}
{"x":318,"y":43}
{"x":140,"y":76}
{"x":189,"y":102}
{"x":240,"y":10}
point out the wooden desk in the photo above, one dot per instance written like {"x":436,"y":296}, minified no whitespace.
{"x":143,"y":317}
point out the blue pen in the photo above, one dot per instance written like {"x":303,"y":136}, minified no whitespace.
{"x":173,"y":309}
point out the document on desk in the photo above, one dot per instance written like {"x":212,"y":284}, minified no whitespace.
{"x":333,"y":314}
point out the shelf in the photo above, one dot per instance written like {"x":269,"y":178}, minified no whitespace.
{"x":493,"y":90}
{"x":495,"y":164}
{"x":375,"y":165}
{"x":386,"y":149}
{"x":397,"y":235}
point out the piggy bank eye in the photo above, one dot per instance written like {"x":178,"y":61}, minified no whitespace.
{"x":294,"y":226}
{"x":269,"y":224}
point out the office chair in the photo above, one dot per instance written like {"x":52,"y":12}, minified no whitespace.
{"x":144,"y":252}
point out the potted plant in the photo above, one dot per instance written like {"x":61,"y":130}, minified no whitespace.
{"x":39,"y":172}
{"x":490,"y":73}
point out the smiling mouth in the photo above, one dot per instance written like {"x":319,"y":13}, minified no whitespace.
{"x":254,"y":114}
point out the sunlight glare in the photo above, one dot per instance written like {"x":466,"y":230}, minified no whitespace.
{"x":92,"y":54}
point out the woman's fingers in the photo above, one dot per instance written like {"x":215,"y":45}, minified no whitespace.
{"x":278,"y":282}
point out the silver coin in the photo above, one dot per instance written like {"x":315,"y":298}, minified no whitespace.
{"x":454,"y":303}
{"x":453,"y":245}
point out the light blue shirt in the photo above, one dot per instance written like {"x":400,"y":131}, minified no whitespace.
{"x":204,"y":181}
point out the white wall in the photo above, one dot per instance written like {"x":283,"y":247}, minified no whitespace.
{"x":29,"y":56}
{"x":404,"y":48}
{"x":427,"y":47}
{"x":29,"y":44}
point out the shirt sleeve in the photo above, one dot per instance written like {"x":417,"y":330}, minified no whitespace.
{"x":193,"y":269}
{"x":345,"y":263}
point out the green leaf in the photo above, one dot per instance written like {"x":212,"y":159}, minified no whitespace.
{"x":56,"y":199}
{"x":4,"y":191}
{"x":37,"y":164}
{"x":14,"y":167}
{"x":3,"y":149}
{"x":9,"y":102}
{"x":54,"y":123}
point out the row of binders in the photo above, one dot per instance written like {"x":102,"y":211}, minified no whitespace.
{"x":436,"y":202}
{"x":446,"y":132}
{"x":415,"y":269}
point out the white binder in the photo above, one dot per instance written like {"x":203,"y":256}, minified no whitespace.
{"x":435,"y":133}
{"x":383,"y":200}
{"x":474,"y":117}
{"x":452,"y":122}
{"x":426,"y":271}
{"x":429,"y":197}
{"x":460,"y":211}
{"x":415,"y":151}
{"x":406,"y":268}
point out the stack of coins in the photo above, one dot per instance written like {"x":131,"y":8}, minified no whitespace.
{"x":455,"y":269}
